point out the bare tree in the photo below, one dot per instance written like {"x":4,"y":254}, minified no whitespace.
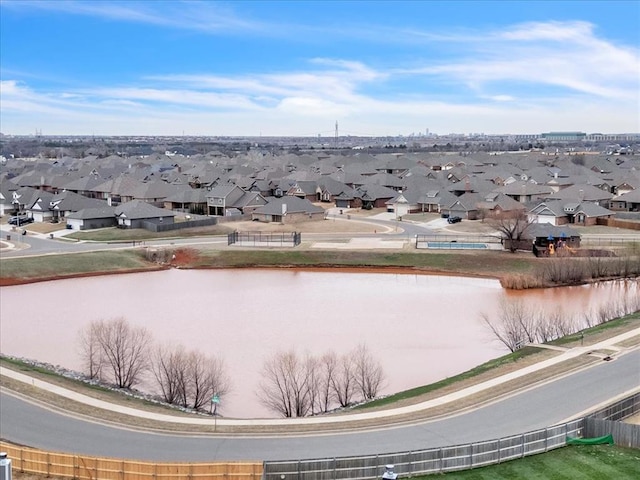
{"x":513,"y":327}
{"x":512,"y":226}
{"x":188,"y":379}
{"x":343,"y":382}
{"x":91,"y":353}
{"x":325,"y":373}
{"x":206,"y":378}
{"x":285,"y":385}
{"x":368,"y":373}
{"x":123,"y":349}
{"x":168,"y":366}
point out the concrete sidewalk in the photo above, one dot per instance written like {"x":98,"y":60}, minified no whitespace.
{"x":323,"y":420}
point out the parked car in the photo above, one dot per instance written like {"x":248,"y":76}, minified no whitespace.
{"x":20,"y":220}
{"x":454,"y":219}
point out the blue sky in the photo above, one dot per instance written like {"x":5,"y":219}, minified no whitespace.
{"x":295,"y":68}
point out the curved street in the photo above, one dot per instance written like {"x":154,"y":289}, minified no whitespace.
{"x":553,"y":402}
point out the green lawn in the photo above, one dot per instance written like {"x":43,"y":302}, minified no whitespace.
{"x":583,"y":462}
{"x":32,"y":268}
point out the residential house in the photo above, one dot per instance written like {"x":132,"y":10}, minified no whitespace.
{"x":288,"y":210}
{"x":193,"y":200}
{"x":582,"y":193}
{"x":49,"y":207}
{"x":226,"y":198}
{"x":433,"y":200}
{"x":627,"y":202}
{"x":560,"y":212}
{"x":136,"y":213}
{"x":85,"y":185}
{"x":465,"y":206}
{"x":330,"y":189}
{"x":155,"y":192}
{"x":90,"y":218}
{"x":525,"y":192}
{"x":494,"y":204}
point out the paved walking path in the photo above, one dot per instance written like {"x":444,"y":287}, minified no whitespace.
{"x":346,"y":419}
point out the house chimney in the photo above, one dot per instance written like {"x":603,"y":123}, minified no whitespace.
{"x":284,"y":209}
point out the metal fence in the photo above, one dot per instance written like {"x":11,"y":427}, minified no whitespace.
{"x":422,"y":462}
{"x":457,"y":241}
{"x":264,"y":239}
{"x":619,"y":410}
{"x":609,"y":241}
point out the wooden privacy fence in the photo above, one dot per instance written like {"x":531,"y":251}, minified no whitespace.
{"x":93,"y":468}
{"x":434,"y":460}
{"x":624,"y":434}
{"x":608,"y":421}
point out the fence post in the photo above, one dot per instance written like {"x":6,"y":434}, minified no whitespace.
{"x":411,"y":463}
{"x":522,"y":445}
{"x":546,"y":439}
{"x":48,"y":464}
{"x":471,"y":456}
{"x":440,"y":458}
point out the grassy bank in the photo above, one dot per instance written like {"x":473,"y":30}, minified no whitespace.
{"x":485,"y":264}
{"x":593,"y":462}
{"x":29,"y":269}
{"x":581,"y":337}
{"x":505,"y":360}
{"x":588,"y":336}
{"x":489,"y":264}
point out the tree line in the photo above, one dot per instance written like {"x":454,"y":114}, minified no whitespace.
{"x":116,"y":352}
{"x":516,"y":324}
{"x":113,"y":351}
{"x":297,"y":386}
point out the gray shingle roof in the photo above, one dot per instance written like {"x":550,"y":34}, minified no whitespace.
{"x":293,"y":205}
{"x":91,"y":213}
{"x":137,"y":209}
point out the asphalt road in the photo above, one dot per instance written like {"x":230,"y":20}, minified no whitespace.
{"x":551,"y":403}
{"x":41,"y":245}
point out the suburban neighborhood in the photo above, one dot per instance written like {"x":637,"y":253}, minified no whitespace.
{"x":554,"y":187}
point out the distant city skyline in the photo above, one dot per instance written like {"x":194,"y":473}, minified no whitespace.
{"x":267,"y":68}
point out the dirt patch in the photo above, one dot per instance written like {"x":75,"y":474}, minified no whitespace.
{"x":184,"y":257}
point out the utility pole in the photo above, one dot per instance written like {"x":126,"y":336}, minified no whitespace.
{"x":336,"y":136}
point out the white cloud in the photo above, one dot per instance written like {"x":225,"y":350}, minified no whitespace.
{"x":565,"y":55}
{"x":527,"y":78}
{"x":203,"y":16}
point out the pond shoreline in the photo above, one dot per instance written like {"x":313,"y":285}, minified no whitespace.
{"x":515,"y":272}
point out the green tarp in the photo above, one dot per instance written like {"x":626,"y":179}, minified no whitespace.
{"x":607,"y":439}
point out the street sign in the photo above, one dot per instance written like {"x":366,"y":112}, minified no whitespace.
{"x":215,"y":399}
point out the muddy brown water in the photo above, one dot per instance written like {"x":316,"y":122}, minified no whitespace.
{"x":421,"y":328}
